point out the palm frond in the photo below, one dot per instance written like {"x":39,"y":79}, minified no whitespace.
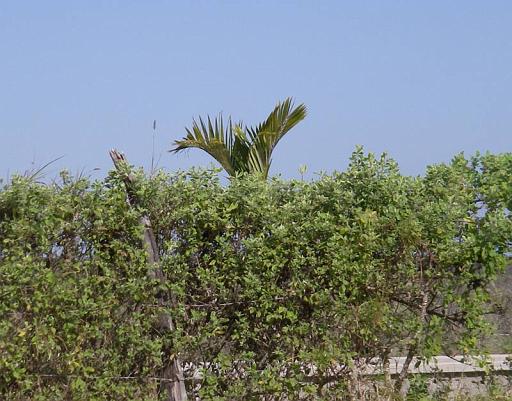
{"x":281,"y":120}
{"x":239,"y":148}
{"x":211,"y":137}
{"x":266,"y":135}
{"x":242,"y":149}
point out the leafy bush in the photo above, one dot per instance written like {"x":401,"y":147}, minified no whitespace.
{"x":280,"y":289}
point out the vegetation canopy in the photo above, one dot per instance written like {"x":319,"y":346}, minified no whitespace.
{"x":281,"y":290}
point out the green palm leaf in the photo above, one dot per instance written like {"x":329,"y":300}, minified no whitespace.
{"x":240,"y":149}
{"x":266,"y":136}
{"x":212,"y":137}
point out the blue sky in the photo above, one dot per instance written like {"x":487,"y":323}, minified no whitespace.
{"x":421,"y":80}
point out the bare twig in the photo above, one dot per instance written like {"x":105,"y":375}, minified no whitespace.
{"x":172,"y":371}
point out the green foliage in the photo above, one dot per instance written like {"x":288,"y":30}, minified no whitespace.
{"x":241,"y":149}
{"x":75,"y":301}
{"x":281,"y":288}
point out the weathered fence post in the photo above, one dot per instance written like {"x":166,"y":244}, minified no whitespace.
{"x":173,"y":383}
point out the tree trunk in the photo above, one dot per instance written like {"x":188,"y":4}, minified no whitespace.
{"x":172,"y":383}
{"x":400,"y":384}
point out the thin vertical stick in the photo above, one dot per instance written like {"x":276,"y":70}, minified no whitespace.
{"x":174,"y":385}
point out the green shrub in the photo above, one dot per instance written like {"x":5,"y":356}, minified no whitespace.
{"x":279,"y":289}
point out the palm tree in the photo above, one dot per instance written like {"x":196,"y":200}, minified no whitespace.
{"x":239,"y":148}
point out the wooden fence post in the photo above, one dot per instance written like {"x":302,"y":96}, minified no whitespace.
{"x":173,"y":383}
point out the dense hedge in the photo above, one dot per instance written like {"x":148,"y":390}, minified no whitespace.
{"x":280,"y":288}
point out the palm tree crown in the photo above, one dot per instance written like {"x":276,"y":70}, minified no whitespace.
{"x":239,"y":148}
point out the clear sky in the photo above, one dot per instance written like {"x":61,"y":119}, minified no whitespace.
{"x":421,"y":80}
